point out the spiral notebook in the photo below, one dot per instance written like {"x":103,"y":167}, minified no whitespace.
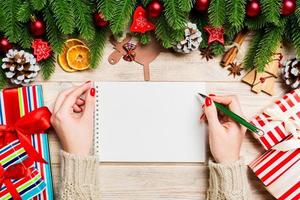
{"x":149,"y":122}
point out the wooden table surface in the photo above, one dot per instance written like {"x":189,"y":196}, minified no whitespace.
{"x":137,"y":181}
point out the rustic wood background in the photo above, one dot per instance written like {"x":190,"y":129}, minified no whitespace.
{"x":139,"y":181}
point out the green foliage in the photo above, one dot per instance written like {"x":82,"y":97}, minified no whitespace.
{"x":122,"y":15}
{"x":217,"y":48}
{"x":236,"y":13}
{"x":145,"y":2}
{"x":3,"y":79}
{"x":297,"y":12}
{"x":64,"y":15}
{"x":186,"y":5}
{"x":163,"y":31}
{"x":145,"y":38}
{"x":24,"y":12}
{"x":175,"y":17}
{"x":295,"y":36}
{"x":271,"y":10}
{"x":55,"y":38}
{"x":201,"y":22}
{"x":216,"y":12}
{"x":97,"y":46}
{"x":48,"y":67}
{"x":38,"y":4}
{"x":106,"y":7}
{"x":250,"y":56}
{"x":25,"y":38}
{"x":256,"y":23}
{"x":83,"y":18}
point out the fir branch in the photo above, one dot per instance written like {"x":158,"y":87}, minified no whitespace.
{"x":145,"y":2}
{"x":297,"y":12}
{"x":3,"y":79}
{"x":216,"y":12}
{"x":48,"y":67}
{"x":97,"y":46}
{"x":25,"y":39}
{"x":122,"y":15}
{"x":186,"y":5}
{"x":83,"y":17}
{"x":201,"y":22}
{"x":11,"y":27}
{"x":162,"y":32}
{"x":256,"y":23}
{"x":38,"y":4}
{"x":106,"y":7}
{"x":145,"y":38}
{"x":295,"y":35}
{"x":175,"y":17}
{"x":236,"y":13}
{"x":267,"y":46}
{"x":271,"y":10}
{"x":55,"y":37}
{"x":24,"y":12}
{"x":2,"y":18}
{"x":253,"y":46}
{"x":217,"y":48}
{"x":64,"y":15}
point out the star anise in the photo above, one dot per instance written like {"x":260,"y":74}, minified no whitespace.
{"x":207,"y":53}
{"x":235,"y":69}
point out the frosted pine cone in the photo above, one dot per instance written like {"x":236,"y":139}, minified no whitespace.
{"x":20,"y":67}
{"x":191,"y":41}
{"x":291,"y":73}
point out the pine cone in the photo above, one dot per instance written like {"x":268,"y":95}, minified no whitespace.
{"x":192,"y":39}
{"x":291,"y":73}
{"x":20,"y":67}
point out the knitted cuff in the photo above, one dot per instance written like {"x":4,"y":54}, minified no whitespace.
{"x":228,"y":180}
{"x":78,"y":170}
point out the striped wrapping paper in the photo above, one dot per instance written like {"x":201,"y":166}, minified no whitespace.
{"x":280,"y":173}
{"x":274,"y":130}
{"x":27,"y":187}
{"x":28,"y":99}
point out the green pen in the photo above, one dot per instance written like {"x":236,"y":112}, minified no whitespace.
{"x":236,"y":117}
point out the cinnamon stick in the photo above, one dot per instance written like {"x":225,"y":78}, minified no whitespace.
{"x":231,"y":54}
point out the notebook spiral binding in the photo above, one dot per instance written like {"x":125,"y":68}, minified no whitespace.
{"x":96,"y":139}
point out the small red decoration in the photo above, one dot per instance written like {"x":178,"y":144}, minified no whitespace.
{"x":154,"y":8}
{"x":253,"y":8}
{"x":288,"y":7}
{"x":202,"y":5}
{"x":37,"y":27}
{"x":140,"y":23}
{"x":99,"y":20}
{"x":130,"y":53}
{"x":41,"y":49}
{"x":215,"y":34}
{"x":5,"y":45}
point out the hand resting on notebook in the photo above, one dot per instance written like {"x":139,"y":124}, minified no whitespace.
{"x":72,"y":118}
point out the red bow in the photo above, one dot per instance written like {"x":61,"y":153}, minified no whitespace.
{"x":35,"y":122}
{"x":16,"y":171}
{"x":130,"y":54}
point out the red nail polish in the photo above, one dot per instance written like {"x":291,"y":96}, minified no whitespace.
{"x":212,"y":95}
{"x":207,"y":101}
{"x":202,"y":117}
{"x":87,"y":81}
{"x":92,"y":92}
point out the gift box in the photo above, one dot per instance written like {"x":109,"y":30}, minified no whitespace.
{"x":15,"y":104}
{"x":20,"y":180}
{"x":278,"y":168}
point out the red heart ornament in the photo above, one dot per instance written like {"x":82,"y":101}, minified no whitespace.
{"x":140,"y":23}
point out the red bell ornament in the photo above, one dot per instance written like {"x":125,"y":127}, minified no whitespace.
{"x":253,"y":8}
{"x":154,"y":8}
{"x":288,"y":7}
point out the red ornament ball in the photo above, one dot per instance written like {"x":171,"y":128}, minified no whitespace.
{"x":37,"y":27}
{"x":202,"y":5}
{"x":253,"y":8}
{"x":154,"y":8}
{"x":5,"y":45}
{"x":288,"y":7}
{"x":99,"y":20}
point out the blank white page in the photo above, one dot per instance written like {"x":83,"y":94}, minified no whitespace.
{"x":149,"y":122}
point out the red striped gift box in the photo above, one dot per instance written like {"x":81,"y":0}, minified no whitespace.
{"x":274,"y":130}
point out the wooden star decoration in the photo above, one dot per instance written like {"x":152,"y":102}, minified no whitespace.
{"x":235,"y":69}
{"x":206,"y":53}
{"x":215,"y":34}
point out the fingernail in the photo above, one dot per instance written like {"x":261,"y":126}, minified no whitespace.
{"x":212,"y":95}
{"x":92,"y":92}
{"x":202,"y":117}
{"x":207,"y":101}
{"x":87,"y":81}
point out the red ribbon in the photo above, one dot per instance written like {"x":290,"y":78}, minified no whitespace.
{"x":35,"y":122}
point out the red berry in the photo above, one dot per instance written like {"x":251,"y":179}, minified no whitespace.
{"x":154,"y":8}
{"x":5,"y":45}
{"x":202,"y":5}
{"x":253,"y":8}
{"x":37,"y":27}
{"x":288,"y":7}
{"x":99,"y":20}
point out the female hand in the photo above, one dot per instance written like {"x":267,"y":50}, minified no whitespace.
{"x":72,"y":118}
{"x":225,"y":135}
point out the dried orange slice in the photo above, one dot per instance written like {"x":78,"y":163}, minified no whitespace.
{"x":62,"y":58}
{"x":78,"y":57}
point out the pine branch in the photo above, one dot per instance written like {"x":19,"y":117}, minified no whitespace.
{"x":106,"y":7}
{"x":236,"y":13}
{"x":256,"y":23}
{"x":64,"y":15}
{"x":201,"y":22}
{"x":186,"y":5}
{"x":97,"y":47}
{"x":38,"y":4}
{"x":162,"y":32}
{"x":297,"y":12}
{"x":145,"y":2}
{"x":2,"y":18}
{"x":24,"y":12}
{"x":48,"y":67}
{"x":217,"y":48}
{"x":267,"y":46}
{"x":3,"y":79}
{"x":11,"y":27}
{"x":253,"y":46}
{"x":271,"y":10}
{"x":122,"y":15}
{"x":145,"y":38}
{"x":83,"y":17}
{"x":295,"y":35}
{"x":54,"y":36}
{"x":216,"y":12}
{"x":175,"y":17}
{"x":25,"y":38}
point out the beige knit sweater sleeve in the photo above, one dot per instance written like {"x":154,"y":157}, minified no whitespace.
{"x":78,"y":177}
{"x":228,"y":181}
